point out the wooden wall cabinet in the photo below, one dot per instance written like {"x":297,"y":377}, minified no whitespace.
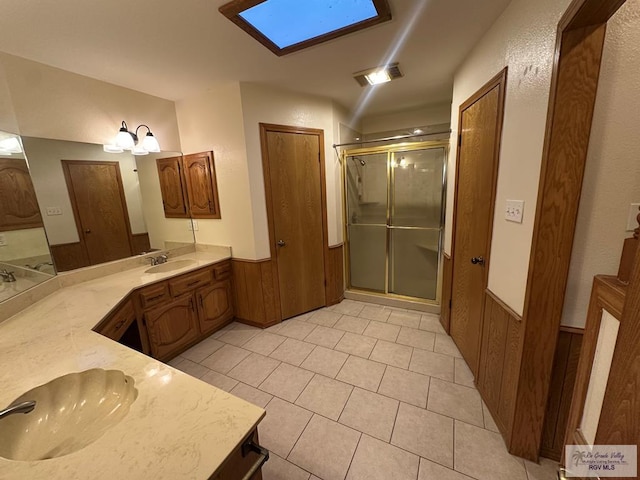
{"x":188,"y":186}
{"x":18,"y":204}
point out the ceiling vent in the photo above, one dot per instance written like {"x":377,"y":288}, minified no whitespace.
{"x":378,"y":75}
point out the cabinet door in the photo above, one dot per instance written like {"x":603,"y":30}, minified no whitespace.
{"x":172,"y":188}
{"x":200,"y":176}
{"x":18,"y":205}
{"x":215,"y":306}
{"x":172,"y":327}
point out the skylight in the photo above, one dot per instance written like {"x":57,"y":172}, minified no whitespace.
{"x":285,"y":26}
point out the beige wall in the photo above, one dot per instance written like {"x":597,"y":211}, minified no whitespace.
{"x":262,"y":104}
{"x":213,"y":121}
{"x":22,"y":244}
{"x":52,"y":103}
{"x":436,"y":114}
{"x":523,"y":38}
{"x":612,"y":176}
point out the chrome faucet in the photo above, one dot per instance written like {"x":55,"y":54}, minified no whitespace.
{"x":24,"y":407}
{"x":7,"y":276}
{"x":159,"y":259}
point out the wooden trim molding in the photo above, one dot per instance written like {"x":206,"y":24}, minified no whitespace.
{"x":447,"y":285}
{"x":254,"y":292}
{"x":563,"y":379}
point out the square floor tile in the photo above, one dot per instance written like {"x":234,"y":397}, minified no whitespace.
{"x":433,"y":471}
{"x":432,"y":364}
{"x":174,"y":362}
{"x":251,"y":395}
{"x":325,"y":396}
{"x":303,"y":317}
{"x":362,"y":373}
{"x":409,"y":387}
{"x":325,"y":448}
{"x":444,"y":344}
{"x":292,"y":351}
{"x":238,"y":336}
{"x":296,"y":329}
{"x":483,"y":455}
{"x":220,"y":381}
{"x":253,"y":369}
{"x":391,"y":354}
{"x":225,"y":359}
{"x":202,"y":350}
{"x":264,"y":343}
{"x":489,"y":422}
{"x":370,"y":413}
{"x":352,"y":324}
{"x":325,"y":362}
{"x":405,"y":319}
{"x":416,"y":338}
{"x":545,"y":470}
{"x":463,"y":374}
{"x":286,"y":382}
{"x":456,"y":401}
{"x":375,"y":312}
{"x":224,"y":330}
{"x":431,"y":323}
{"x":424,"y":433}
{"x":356,"y":345}
{"x":278,"y":469}
{"x":192,"y":368}
{"x":324,"y":317}
{"x":349,"y":307}
{"x":282,"y":425}
{"x":327,"y":337}
{"x":383,"y":331}
{"x":376,"y":460}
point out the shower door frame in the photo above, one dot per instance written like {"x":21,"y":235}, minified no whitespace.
{"x":390,"y":150}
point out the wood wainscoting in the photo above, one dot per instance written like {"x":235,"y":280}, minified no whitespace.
{"x":447,"y":285}
{"x":563,"y":380}
{"x":254,"y":292}
{"x":140,"y":243}
{"x":334,"y":271}
{"x":500,"y":361}
{"x":69,"y":256}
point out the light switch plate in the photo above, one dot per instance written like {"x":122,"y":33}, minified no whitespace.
{"x":51,"y":211}
{"x":3,"y":240}
{"x":514,"y":211}
{"x":632,"y":222}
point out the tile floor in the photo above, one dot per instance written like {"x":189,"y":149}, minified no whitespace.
{"x":360,"y":391}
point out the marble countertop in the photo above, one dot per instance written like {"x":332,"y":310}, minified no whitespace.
{"x":178,"y":427}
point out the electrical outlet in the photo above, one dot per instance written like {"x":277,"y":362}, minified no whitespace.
{"x":514,"y":211}
{"x":632,"y":222}
{"x":51,"y":211}
{"x":3,"y":240}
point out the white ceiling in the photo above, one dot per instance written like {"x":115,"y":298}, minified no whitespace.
{"x":173,"y":49}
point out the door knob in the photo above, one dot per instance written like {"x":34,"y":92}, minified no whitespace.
{"x":477,"y":260}
{"x":87,"y":231}
{"x":281,"y":243}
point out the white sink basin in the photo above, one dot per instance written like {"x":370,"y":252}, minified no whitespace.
{"x":71,"y":412}
{"x":170,"y":266}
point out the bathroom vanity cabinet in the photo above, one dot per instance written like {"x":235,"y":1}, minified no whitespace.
{"x":171,"y":315}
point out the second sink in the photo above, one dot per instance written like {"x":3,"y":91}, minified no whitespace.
{"x":170,"y":266}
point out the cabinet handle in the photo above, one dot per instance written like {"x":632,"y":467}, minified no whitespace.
{"x":120,"y":324}
{"x":201,"y":305}
{"x":263,"y":453}
{"x":156,"y":297}
{"x":191,"y":304}
{"x":191,"y":284}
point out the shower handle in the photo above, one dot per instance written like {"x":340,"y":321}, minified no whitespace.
{"x":477,"y":260}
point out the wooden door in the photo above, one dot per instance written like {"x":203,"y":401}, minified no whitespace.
{"x":100,"y":209}
{"x":200,"y":176}
{"x":478,"y":150}
{"x":215,"y":306}
{"x":172,"y":327}
{"x":18,"y":204}
{"x":295,"y":202}
{"x":172,"y":188}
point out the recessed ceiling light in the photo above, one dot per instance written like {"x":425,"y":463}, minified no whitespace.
{"x":378,"y":75}
{"x":285,"y":26}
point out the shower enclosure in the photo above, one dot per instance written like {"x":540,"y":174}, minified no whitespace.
{"x":394,"y":211}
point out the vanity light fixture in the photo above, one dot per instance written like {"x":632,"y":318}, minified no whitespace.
{"x":378,"y":75}
{"x":127,"y":140}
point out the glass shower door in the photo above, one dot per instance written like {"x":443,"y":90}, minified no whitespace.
{"x":366,"y":177}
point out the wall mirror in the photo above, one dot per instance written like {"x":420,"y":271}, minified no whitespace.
{"x":25,"y":260}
